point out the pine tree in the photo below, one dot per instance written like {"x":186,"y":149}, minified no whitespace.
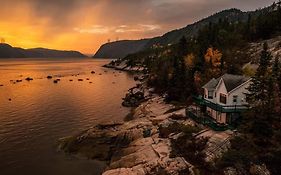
{"x":260,"y":97}
{"x":259,"y":90}
{"x":276,"y":76}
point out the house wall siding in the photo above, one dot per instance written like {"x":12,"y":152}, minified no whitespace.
{"x":240,"y":92}
{"x":219,"y":117}
{"x":221,"y":89}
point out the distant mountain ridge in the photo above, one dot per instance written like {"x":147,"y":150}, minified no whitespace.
{"x":122,"y":48}
{"x":7,"y":51}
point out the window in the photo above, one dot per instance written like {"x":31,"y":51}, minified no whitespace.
{"x":210,"y":94}
{"x":223,"y":98}
{"x":235,"y":97}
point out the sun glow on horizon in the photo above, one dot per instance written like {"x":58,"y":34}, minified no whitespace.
{"x":85,"y":25}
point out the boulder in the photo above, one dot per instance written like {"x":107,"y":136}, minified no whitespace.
{"x":56,"y":81}
{"x":29,"y":79}
{"x":133,"y":99}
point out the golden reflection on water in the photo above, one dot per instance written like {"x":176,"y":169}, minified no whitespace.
{"x":40,"y":111}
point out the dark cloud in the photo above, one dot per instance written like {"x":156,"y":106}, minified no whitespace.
{"x":62,"y":20}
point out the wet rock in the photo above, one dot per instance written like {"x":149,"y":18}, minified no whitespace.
{"x":133,"y":98}
{"x":29,"y":79}
{"x":56,"y":81}
{"x":49,"y":77}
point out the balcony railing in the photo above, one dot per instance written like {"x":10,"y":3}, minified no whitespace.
{"x":208,"y":121}
{"x":221,"y":108}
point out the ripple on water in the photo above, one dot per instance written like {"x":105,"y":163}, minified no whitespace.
{"x":41,"y":112}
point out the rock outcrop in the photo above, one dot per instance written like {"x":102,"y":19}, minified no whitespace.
{"x":135,"y":146}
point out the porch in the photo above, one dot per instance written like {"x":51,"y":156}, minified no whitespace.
{"x":199,"y":100}
{"x":203,"y":118}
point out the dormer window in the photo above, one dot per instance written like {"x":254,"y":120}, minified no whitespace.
{"x":222,"y":98}
{"x":210,"y":94}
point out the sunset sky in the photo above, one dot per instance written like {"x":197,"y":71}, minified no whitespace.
{"x":86,"y":24}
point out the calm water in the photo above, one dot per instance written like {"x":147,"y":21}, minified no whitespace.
{"x":40,"y":112}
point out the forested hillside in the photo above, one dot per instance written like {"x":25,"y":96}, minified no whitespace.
{"x":179,"y":71}
{"x":122,"y":48}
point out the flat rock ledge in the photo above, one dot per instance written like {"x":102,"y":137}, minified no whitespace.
{"x":134,"y":147}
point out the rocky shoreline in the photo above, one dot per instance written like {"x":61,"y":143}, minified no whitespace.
{"x":145,"y":142}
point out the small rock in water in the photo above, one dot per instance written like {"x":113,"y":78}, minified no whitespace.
{"x":88,"y":79}
{"x":100,"y":74}
{"x":90,"y":82}
{"x":56,"y":81}
{"x":49,"y":77}
{"x":80,"y":79}
{"x":70,"y":80}
{"x":93,"y":72}
{"x":29,"y":79}
{"x":1,"y":85}
{"x":10,"y":99}
{"x":18,"y":81}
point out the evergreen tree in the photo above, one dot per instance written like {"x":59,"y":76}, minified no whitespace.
{"x":276,"y":75}
{"x":259,"y":88}
{"x":260,"y":97}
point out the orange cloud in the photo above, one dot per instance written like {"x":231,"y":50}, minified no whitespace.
{"x":86,"y":24}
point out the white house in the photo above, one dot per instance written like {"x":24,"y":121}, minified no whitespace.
{"x":223,"y":100}
{"x":225,"y":97}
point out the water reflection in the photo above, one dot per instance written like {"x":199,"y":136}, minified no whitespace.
{"x":41,"y":111}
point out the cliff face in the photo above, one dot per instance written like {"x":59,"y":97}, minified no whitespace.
{"x":7,"y":51}
{"x":120,"y":49}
